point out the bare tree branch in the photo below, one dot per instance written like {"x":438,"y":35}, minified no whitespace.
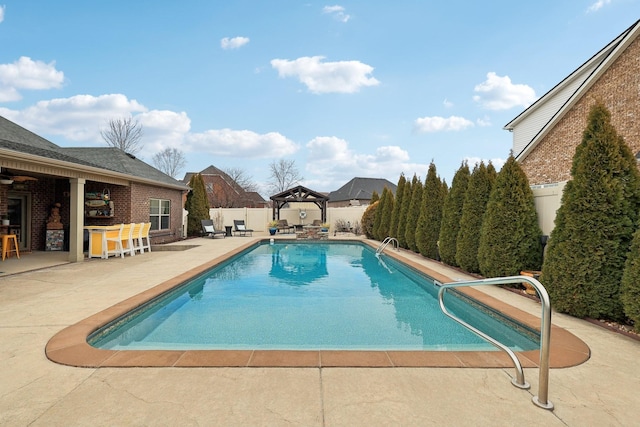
{"x":170,"y":161}
{"x":242,"y":178}
{"x":123,"y":133}
{"x":283,"y":175}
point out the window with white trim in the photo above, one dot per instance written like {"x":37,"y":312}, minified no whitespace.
{"x":160,"y":214}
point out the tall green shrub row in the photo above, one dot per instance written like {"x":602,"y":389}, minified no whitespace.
{"x":452,"y":214}
{"x":397,"y":206}
{"x":383,"y":215}
{"x":368,"y":219}
{"x":595,"y":224}
{"x":428,"y":226}
{"x":475,"y":205}
{"x":412,"y":214}
{"x":630,"y":284}
{"x":510,"y":234}
{"x":404,"y":212}
{"x":197,"y":205}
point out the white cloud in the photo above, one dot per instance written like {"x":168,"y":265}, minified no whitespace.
{"x":484,"y":122}
{"x":337,"y":12}
{"x":326,"y":77}
{"x":81,"y":117}
{"x":447,"y":104}
{"x":498,"y":93}
{"x":599,"y":4}
{"x":26,"y":73}
{"x":2,"y":8}
{"x":241,"y":143}
{"x":78,"y":118}
{"x":333,"y":160}
{"x":439,"y":124}
{"x":233,"y":43}
{"x":164,"y":129}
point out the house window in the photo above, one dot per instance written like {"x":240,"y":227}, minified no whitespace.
{"x":160,"y":214}
{"x":209,"y":187}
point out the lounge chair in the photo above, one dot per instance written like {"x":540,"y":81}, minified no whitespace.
{"x":240,"y":228}
{"x":284,"y":227}
{"x":209,"y":229}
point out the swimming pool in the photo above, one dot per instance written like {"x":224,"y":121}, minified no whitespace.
{"x":301,"y":296}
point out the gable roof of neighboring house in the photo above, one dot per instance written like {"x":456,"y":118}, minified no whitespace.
{"x":99,"y":163}
{"x":532,"y":125}
{"x":212,"y":174}
{"x":361,"y":189}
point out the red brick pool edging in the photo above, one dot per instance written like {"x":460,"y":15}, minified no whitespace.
{"x":70,"y":347}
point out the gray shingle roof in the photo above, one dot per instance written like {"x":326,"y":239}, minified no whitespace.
{"x":19,"y":139}
{"x":117,"y":160}
{"x":361,"y":189}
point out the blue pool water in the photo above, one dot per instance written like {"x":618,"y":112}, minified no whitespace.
{"x":308,"y":296}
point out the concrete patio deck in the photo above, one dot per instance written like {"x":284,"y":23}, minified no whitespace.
{"x":36,"y":305}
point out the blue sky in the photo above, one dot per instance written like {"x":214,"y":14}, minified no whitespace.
{"x":353,"y":88}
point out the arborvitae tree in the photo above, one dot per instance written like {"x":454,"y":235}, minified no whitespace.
{"x":594,"y":225}
{"x":368,"y":218}
{"x":430,"y":219}
{"x":397,"y":206}
{"x":374,"y":197}
{"x":197,"y":205}
{"x":630,"y":284}
{"x":475,"y":205}
{"x":386,"y":206}
{"x":377,"y":218}
{"x":451,"y":215}
{"x":412,"y":215}
{"x":510,"y":234}
{"x":407,"y":191}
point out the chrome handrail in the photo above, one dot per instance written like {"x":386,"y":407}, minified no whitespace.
{"x":385,"y":242}
{"x":541,"y":399}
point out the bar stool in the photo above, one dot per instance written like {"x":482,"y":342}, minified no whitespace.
{"x":6,"y":243}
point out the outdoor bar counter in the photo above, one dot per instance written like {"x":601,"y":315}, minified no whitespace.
{"x":98,"y":247}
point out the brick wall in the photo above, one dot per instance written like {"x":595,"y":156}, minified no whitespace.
{"x":619,"y":89}
{"x":140,"y":210}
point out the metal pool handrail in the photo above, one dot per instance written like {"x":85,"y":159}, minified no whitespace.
{"x":541,"y":399}
{"x":385,"y":242}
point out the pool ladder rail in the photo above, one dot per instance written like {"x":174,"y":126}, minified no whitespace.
{"x":385,"y":243}
{"x":541,"y":400}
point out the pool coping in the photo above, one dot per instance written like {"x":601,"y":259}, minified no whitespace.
{"x":70,"y":347}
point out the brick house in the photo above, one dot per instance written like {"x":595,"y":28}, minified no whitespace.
{"x":35,"y":174}
{"x":546,"y":134}
{"x":224,"y":192}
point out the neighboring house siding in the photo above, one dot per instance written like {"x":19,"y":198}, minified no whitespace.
{"x":618,"y":88}
{"x":538,"y":118}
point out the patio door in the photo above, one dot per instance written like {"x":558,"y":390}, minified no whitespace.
{"x":20,"y":214}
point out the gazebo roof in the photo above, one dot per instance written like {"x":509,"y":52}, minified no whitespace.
{"x":299,"y":194}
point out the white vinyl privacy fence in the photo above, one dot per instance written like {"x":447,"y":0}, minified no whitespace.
{"x":299,"y":213}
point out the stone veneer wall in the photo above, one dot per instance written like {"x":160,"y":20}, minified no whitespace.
{"x":619,"y":89}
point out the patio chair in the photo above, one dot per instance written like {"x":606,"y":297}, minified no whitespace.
{"x":135,"y":237}
{"x":114,"y":241}
{"x":284,"y":227}
{"x":240,"y":228}
{"x":209,"y":229}
{"x":145,"y":241}
{"x":127,"y":239}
